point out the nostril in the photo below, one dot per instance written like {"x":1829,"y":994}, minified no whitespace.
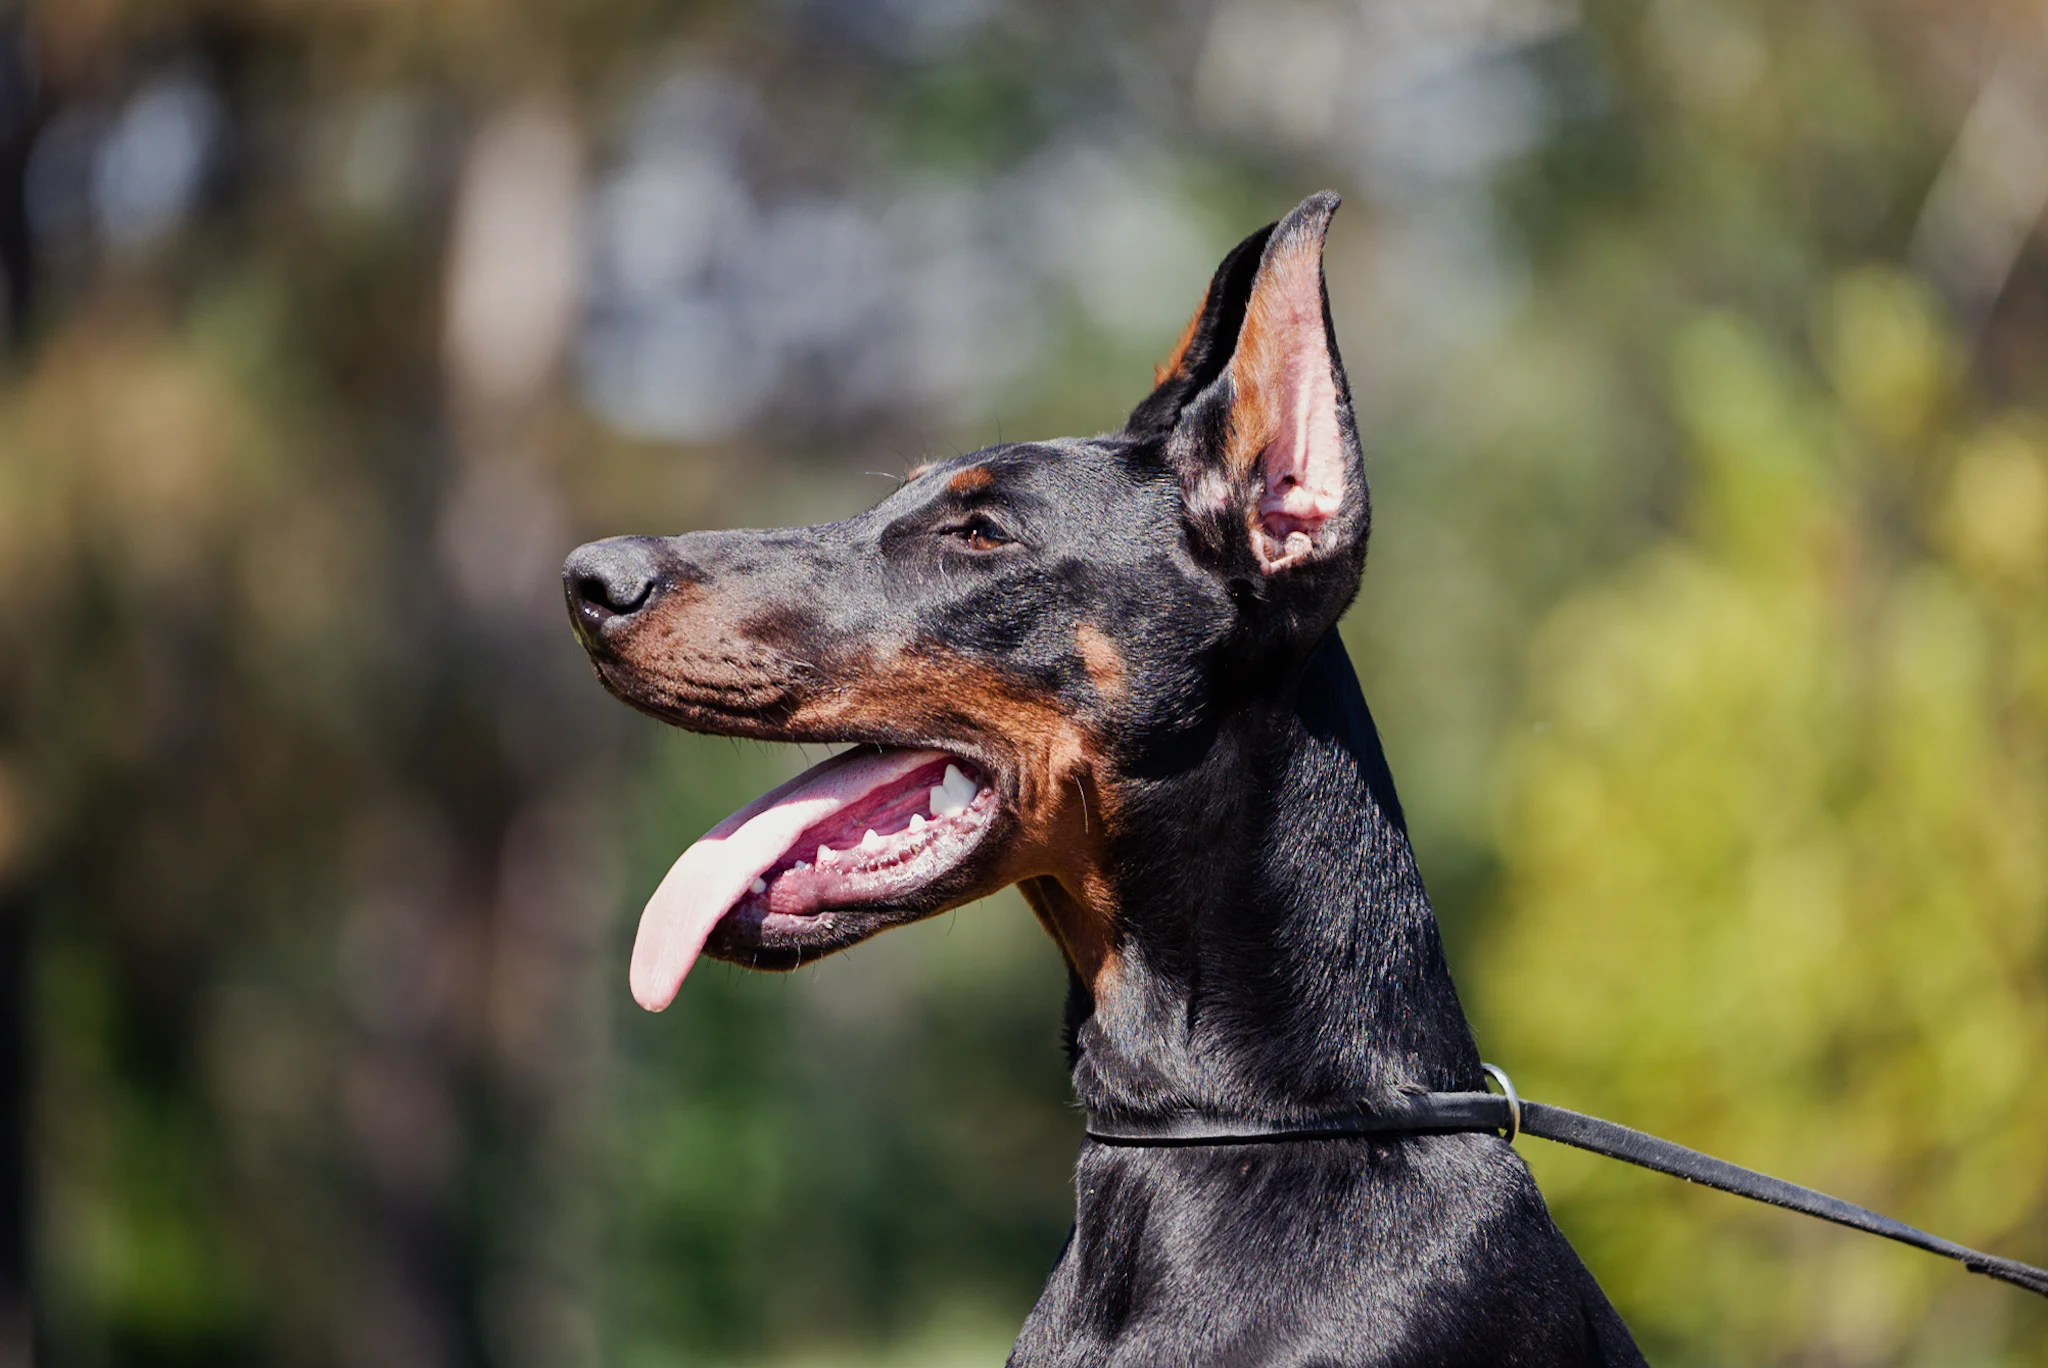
{"x":614,"y":593}
{"x":609,"y":579}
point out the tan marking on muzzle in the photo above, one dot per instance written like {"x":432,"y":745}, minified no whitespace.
{"x":687,"y":655}
{"x":695,"y":658}
{"x":1065,"y":802}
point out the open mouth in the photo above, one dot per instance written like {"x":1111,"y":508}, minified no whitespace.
{"x":868,"y":828}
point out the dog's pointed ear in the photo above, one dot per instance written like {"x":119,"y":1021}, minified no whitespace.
{"x":1261,"y":429}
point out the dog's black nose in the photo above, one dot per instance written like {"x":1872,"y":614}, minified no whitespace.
{"x":609,"y":579}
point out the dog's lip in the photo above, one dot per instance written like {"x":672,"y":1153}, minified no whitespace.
{"x":751,"y":719}
{"x":867,"y":829}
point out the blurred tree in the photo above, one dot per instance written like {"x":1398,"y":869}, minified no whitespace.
{"x":1770,"y":817}
{"x":1699,"y":342}
{"x":1774,"y":870}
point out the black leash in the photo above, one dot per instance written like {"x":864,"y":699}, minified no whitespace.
{"x":1448,"y":1113}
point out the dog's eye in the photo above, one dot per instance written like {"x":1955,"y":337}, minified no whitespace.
{"x":978,"y":534}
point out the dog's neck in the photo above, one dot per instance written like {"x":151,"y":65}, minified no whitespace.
{"x":1278,"y":955}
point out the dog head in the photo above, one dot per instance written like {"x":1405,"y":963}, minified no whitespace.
{"x":1017,"y":646}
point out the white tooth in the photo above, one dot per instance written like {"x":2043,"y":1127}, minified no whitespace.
{"x":801,"y":864}
{"x":760,"y":885}
{"x":917,"y":821}
{"x":959,"y":787}
{"x":944,"y":804}
{"x":824,"y":855}
{"x":870,"y":841}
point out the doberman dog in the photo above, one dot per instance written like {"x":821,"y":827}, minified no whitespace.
{"x":1107,"y":670}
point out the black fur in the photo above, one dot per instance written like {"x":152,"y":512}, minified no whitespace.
{"x":1275,"y":955}
{"x":1294,"y":973}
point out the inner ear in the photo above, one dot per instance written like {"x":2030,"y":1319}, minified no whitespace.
{"x":1287,"y":443}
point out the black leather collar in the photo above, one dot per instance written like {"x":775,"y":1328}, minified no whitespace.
{"x":1419,"y":1114}
{"x":1454,"y":1112}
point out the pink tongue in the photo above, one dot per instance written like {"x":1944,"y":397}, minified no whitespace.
{"x":709,"y":877}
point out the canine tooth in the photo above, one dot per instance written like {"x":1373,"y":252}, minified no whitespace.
{"x":760,"y":885}
{"x":959,"y":788}
{"x":917,"y":821}
{"x":944,"y":804}
{"x":824,"y":855}
{"x":870,"y":841}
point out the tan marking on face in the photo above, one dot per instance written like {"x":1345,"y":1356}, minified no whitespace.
{"x":921,"y":468}
{"x":1064,"y":804}
{"x":1172,"y":364}
{"x":971,"y":479}
{"x":1256,"y":381}
{"x":689,"y":657}
{"x":1103,"y":661}
{"x":694,"y":659}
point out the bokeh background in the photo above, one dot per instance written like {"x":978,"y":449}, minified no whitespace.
{"x":1701,"y":350}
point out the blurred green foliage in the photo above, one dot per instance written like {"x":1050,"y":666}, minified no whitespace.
{"x":1699,"y":346}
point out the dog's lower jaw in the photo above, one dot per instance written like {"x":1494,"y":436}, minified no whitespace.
{"x":1314,"y":976}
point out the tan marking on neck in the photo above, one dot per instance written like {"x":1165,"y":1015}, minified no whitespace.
{"x":1085,"y":934}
